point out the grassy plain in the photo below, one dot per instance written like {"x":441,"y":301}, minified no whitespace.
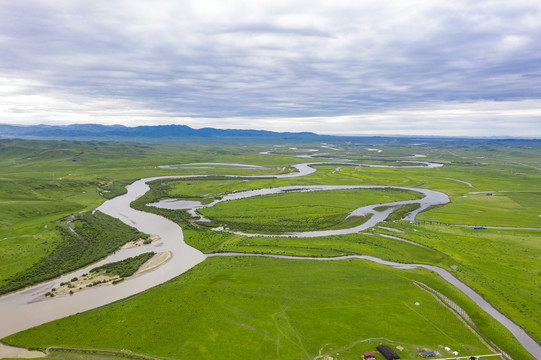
{"x":451,"y":179}
{"x":42,"y":182}
{"x":266,"y":308}
{"x":20,"y":253}
{"x":299,"y":211}
{"x":86,"y":238}
{"x":490,"y":209}
{"x":502,"y":265}
{"x":262,"y":301}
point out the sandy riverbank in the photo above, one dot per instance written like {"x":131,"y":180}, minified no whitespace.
{"x":140,"y":242}
{"x":93,"y":279}
{"x":154,"y":262}
{"x":17,"y":352}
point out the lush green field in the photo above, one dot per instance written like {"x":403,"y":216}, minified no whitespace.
{"x":268,"y":309}
{"x":258,"y":307}
{"x":502,"y":265}
{"x":491,"y":209}
{"x":20,"y":253}
{"x":325,"y":246}
{"x":299,"y":211}
{"x":86,"y":238}
{"x":41,"y":182}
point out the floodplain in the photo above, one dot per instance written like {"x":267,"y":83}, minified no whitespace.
{"x":276,"y":308}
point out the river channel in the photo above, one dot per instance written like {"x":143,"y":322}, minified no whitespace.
{"x":377,"y":215}
{"x":28,"y":308}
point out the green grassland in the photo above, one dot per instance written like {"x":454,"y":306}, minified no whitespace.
{"x":325,"y":246}
{"x":20,"y":253}
{"x":524,"y":294}
{"x":42,"y":182}
{"x":269,"y":309}
{"x":299,"y":211}
{"x":502,"y":265}
{"x":490,"y":209}
{"x":86,"y":238}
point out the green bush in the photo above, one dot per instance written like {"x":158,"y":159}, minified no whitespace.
{"x":86,"y":239}
{"x":125,"y":267}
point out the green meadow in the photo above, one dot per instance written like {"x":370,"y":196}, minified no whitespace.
{"x":269,"y":309}
{"x":300,"y":211}
{"x":44,"y":182}
{"x":274,"y":308}
{"x":86,"y":238}
{"x":490,"y":209}
{"x":501,"y":264}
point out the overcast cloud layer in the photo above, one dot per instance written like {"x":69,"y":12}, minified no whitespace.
{"x":334,"y":67}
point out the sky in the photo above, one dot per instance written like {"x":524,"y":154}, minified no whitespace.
{"x":343,"y":67}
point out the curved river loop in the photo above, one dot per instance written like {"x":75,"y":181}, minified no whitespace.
{"x":29,"y":307}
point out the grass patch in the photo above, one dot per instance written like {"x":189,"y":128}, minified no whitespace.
{"x":402,"y":212}
{"x":266,"y":309}
{"x":19,"y":254}
{"x":299,"y":211}
{"x":502,"y":265}
{"x":492,"y":209}
{"x":58,"y":354}
{"x":210,"y":241}
{"x":113,"y":189}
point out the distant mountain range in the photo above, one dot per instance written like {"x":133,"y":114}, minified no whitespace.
{"x":94,"y":131}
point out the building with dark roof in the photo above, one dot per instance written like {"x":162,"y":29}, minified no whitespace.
{"x":387,"y":352}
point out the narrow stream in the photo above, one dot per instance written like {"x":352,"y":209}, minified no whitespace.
{"x":28,"y":308}
{"x":529,"y":343}
{"x":431,"y":198}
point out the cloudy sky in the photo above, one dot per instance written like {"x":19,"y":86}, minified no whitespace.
{"x":354,"y":67}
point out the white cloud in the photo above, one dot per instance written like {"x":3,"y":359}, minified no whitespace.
{"x":260,"y":60}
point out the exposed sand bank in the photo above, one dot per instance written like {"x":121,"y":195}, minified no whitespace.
{"x":7,"y":351}
{"x":154,"y":262}
{"x":93,"y":279}
{"x":140,"y":242}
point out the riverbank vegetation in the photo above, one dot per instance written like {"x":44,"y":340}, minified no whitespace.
{"x":124,"y":268}
{"x":86,"y":238}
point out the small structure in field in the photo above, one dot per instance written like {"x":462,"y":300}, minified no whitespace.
{"x":387,"y":352}
{"x":369,"y":356}
{"x":428,"y":353}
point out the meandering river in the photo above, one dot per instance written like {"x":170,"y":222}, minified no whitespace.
{"x":28,"y":308}
{"x":430,"y":198}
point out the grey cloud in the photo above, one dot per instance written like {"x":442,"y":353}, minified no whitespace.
{"x":255,"y":59}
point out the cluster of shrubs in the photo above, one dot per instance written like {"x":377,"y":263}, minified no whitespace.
{"x":93,"y":237}
{"x":125,"y":267}
{"x":97,"y":282}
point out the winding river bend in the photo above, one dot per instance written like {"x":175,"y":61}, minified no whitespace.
{"x":430,"y":198}
{"x":28,"y":308}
